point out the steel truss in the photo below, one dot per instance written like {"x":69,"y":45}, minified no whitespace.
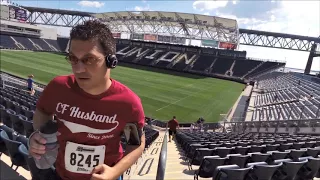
{"x":173,"y":26}
{"x":56,"y":17}
{"x":277,"y":40}
{"x":168,"y":27}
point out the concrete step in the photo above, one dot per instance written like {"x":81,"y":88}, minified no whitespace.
{"x":147,"y":169}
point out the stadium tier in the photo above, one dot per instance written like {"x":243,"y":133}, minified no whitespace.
{"x":16,"y":125}
{"x":285,"y":97}
{"x":229,"y":64}
{"x":251,"y":156}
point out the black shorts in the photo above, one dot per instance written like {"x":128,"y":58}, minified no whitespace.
{"x":171,"y":132}
{"x":47,"y":174}
{"x":29,"y":89}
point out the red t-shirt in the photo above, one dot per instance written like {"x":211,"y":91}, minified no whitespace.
{"x":173,"y":124}
{"x":89,"y":124}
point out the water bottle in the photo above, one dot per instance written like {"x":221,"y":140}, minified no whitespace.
{"x":48,"y":132}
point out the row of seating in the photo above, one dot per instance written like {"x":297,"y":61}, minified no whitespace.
{"x":15,"y":145}
{"x":31,"y":43}
{"x":283,"y":96}
{"x":238,"y":67}
{"x":17,"y":109}
{"x":210,"y":64}
{"x":251,"y":156}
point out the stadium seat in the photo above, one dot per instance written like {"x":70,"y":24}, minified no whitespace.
{"x":17,"y":124}
{"x":227,"y":172}
{"x":208,"y":166}
{"x":289,"y":169}
{"x":262,"y":171}
{"x":198,"y":156}
{"x":240,"y":160}
{"x":309,"y":170}
{"x":12,"y":146}
{"x":34,"y":171}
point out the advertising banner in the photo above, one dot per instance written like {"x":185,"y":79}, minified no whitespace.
{"x":225,"y":45}
{"x":116,"y":35}
{"x":178,"y":40}
{"x":137,"y":36}
{"x":164,"y":38}
{"x":4,"y":12}
{"x":150,"y":37}
{"x":21,"y":14}
{"x":12,"y":13}
{"x":211,"y":43}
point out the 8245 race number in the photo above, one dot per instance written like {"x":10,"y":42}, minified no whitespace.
{"x":81,"y":158}
{"x":78,"y":159}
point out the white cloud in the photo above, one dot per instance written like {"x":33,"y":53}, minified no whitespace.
{"x":144,"y":1}
{"x":301,"y":18}
{"x":95,"y":4}
{"x":272,"y":17}
{"x":141,"y":8}
{"x":234,"y":2}
{"x":206,"y":13}
{"x":241,"y":21}
{"x":209,"y":5}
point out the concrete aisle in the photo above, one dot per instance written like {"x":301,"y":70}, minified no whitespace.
{"x":147,"y":169}
{"x":176,"y":168}
{"x":7,"y":173}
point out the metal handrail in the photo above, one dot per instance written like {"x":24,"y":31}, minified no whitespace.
{"x":163,"y":157}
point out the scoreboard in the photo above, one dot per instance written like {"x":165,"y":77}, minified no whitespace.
{"x":17,"y":14}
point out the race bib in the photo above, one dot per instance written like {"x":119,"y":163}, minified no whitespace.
{"x":81,"y":158}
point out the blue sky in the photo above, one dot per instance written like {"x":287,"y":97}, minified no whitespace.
{"x":295,"y":17}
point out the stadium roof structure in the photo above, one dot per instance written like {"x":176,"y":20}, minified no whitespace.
{"x":193,"y":26}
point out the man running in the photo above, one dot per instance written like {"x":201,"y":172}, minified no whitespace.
{"x":92,"y":110}
{"x":173,"y":125}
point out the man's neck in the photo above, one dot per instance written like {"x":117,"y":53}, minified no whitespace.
{"x":101,"y":89}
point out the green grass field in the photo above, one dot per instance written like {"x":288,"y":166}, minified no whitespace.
{"x":163,"y":95}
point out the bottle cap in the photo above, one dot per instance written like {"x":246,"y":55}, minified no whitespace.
{"x":49,"y":128}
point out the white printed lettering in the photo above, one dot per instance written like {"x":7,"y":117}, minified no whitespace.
{"x":152,"y":56}
{"x":74,"y":111}
{"x":92,"y":116}
{"x":165,"y":56}
{"x":61,"y":107}
{"x":93,"y":136}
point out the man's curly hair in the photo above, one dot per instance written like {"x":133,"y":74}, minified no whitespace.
{"x":95,"y":30}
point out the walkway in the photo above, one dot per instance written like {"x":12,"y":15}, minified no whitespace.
{"x":147,"y":169}
{"x":176,"y":167}
{"x":7,"y":173}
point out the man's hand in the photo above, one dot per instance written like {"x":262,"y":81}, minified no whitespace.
{"x":104,"y":172}
{"x":37,"y":146}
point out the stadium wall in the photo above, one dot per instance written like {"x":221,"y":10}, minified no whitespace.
{"x":4,"y":12}
{"x":18,"y":24}
{"x":48,"y":33}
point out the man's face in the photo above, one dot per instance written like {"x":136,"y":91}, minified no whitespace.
{"x":90,"y":70}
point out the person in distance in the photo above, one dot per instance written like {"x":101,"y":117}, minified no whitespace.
{"x":173,"y":124}
{"x":30,"y":84}
{"x":91,"y":109}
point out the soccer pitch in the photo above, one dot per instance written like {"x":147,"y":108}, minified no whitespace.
{"x":163,"y":93}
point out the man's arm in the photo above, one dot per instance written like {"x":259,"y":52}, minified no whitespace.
{"x":131,"y":156}
{"x":40,"y":118}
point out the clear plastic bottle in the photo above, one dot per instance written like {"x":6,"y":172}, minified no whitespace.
{"x":49,"y":132}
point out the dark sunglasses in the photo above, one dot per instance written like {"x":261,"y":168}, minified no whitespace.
{"x":73,"y":60}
